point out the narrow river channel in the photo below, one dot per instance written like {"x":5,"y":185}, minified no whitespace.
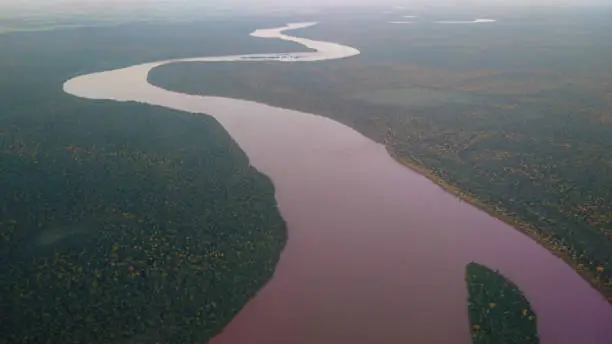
{"x":376,"y":252}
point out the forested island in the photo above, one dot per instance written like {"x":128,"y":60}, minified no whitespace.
{"x":498,"y":310}
{"x":122,"y":223}
{"x":493,"y":121}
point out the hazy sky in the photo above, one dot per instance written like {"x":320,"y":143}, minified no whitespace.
{"x":421,"y":3}
{"x":67,"y":8}
{"x":407,"y":3}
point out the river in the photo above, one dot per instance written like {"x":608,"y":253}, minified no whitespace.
{"x":376,"y":252}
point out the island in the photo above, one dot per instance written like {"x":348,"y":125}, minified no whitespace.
{"x":498,"y":310}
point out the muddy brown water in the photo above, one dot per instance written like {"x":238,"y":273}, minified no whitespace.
{"x":376,"y":252}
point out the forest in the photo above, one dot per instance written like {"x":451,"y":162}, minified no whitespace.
{"x":512,"y":118}
{"x":123,"y":223}
{"x":498,"y":310}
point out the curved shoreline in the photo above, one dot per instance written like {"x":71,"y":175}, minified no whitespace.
{"x":263,"y":135}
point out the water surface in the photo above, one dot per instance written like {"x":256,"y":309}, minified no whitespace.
{"x":376,"y":253}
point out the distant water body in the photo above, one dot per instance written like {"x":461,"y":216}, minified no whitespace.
{"x":475,"y":21}
{"x":376,"y":252}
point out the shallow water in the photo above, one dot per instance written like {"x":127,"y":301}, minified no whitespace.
{"x":376,"y":252}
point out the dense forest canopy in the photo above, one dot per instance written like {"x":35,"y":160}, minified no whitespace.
{"x":123,"y":223}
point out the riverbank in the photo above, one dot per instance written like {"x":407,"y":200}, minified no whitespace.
{"x":524,"y":227}
{"x":426,"y":135}
{"x":502,"y":145}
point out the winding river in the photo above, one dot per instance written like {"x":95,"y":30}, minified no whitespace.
{"x":376,"y":252}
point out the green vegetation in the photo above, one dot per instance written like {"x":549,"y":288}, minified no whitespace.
{"x":122,"y":222}
{"x":498,"y":310}
{"x":518,"y":122}
{"x":132,"y":231}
